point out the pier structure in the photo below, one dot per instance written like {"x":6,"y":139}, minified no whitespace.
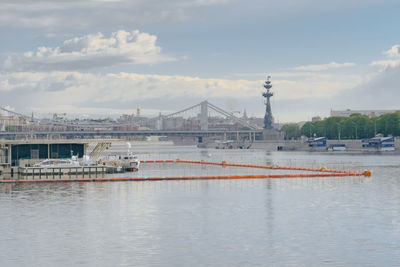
{"x":17,"y":154}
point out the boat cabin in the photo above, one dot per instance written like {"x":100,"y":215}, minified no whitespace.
{"x":316,"y":142}
{"x":337,"y":147}
{"x":380,"y":143}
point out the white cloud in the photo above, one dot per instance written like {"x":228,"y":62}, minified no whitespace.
{"x":44,"y":91}
{"x":91,"y":51}
{"x":321,"y":67}
{"x":393,"y":58}
{"x":393,"y":52}
{"x":52,"y":14}
{"x":386,"y":63}
{"x":380,"y":91}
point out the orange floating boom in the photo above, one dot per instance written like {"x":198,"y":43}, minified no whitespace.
{"x":276,"y":167}
{"x":322,"y":172}
{"x":216,"y":177}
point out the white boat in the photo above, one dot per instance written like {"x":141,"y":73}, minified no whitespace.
{"x":130,"y":162}
{"x":54,"y":163}
{"x":230,"y":144}
{"x":120,"y":163}
{"x":379,"y":144}
{"x":337,"y":147}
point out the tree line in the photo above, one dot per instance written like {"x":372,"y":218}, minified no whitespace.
{"x":356,"y":126}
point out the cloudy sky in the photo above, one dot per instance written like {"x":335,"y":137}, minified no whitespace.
{"x":109,"y":56}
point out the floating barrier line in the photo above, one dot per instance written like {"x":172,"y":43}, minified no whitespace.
{"x":217,"y":177}
{"x":275,"y":167}
{"x":318,"y":173}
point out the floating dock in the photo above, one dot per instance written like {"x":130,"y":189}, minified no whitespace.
{"x":17,"y":156}
{"x":60,"y":172}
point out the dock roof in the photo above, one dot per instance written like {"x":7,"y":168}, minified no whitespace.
{"x":55,"y":141}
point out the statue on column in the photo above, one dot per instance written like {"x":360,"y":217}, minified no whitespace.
{"x":268,"y":119}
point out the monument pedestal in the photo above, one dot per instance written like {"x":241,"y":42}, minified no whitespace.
{"x":272,"y":135}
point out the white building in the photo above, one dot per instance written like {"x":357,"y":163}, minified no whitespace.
{"x":369,"y":113}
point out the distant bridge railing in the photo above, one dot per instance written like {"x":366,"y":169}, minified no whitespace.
{"x":102,"y":133}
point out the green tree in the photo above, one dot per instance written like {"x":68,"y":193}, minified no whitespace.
{"x":355,"y":126}
{"x":291,"y":131}
{"x":307,"y":129}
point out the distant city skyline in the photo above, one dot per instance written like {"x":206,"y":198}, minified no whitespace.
{"x":99,"y":57}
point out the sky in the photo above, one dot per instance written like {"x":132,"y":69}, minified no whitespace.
{"x":107,"y":57}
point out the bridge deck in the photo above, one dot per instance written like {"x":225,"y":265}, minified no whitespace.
{"x":126,"y":133}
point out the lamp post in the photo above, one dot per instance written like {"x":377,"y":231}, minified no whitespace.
{"x":339,"y":129}
{"x":311,"y":125}
{"x":355,"y":125}
{"x":375,"y":126}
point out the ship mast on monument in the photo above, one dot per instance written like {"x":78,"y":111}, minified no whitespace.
{"x":268,"y":119}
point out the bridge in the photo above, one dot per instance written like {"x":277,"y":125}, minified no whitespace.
{"x":200,"y":120}
{"x":116,"y":134}
{"x":208,"y":111}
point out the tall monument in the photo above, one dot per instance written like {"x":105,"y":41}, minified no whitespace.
{"x":269,"y":132}
{"x":268,"y":119}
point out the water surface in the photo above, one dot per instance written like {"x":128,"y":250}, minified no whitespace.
{"x":351,"y":221}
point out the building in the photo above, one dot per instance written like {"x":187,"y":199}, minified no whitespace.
{"x":12,"y":151}
{"x":12,"y":122}
{"x":369,"y":113}
{"x":316,"y":118}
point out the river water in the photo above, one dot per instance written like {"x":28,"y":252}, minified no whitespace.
{"x":346,"y":221}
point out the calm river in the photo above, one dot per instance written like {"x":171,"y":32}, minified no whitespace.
{"x":350,"y":221}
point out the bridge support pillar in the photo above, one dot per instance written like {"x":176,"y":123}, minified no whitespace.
{"x":204,"y":116}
